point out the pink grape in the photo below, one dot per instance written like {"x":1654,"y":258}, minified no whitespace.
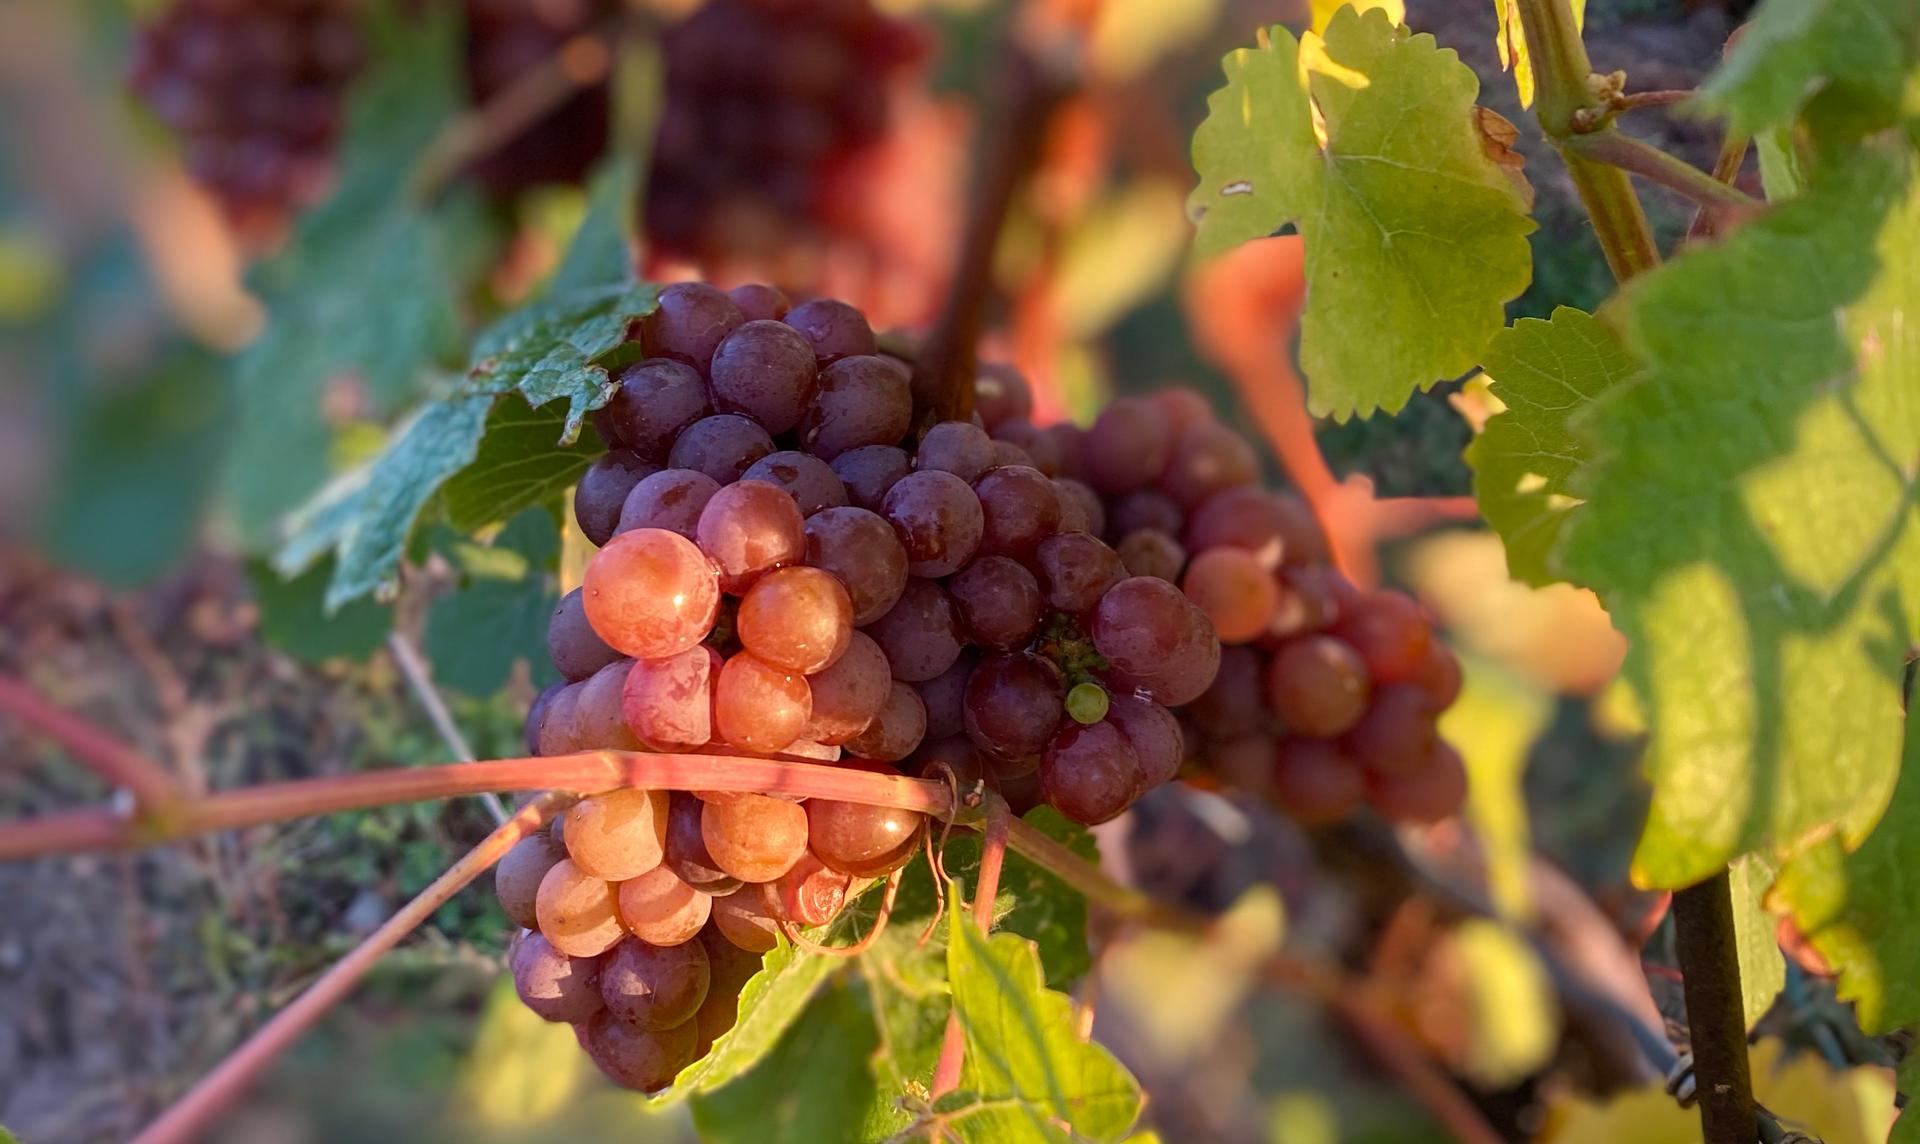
{"x":650,"y":593}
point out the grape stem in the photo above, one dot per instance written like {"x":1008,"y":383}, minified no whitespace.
{"x":1726,"y":168}
{"x":419,"y":677}
{"x":190,"y":1116}
{"x":155,"y":795}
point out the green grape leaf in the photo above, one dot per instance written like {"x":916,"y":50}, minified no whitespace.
{"x":812,"y":1085}
{"x":900,"y":981}
{"x":498,"y":615}
{"x":293,"y":616}
{"x":1544,"y":372}
{"x":1858,"y":908}
{"x":140,"y":458}
{"x":1749,"y":525}
{"x":1763,"y":969}
{"x":1415,"y":238}
{"x":558,"y":350}
{"x":1510,"y":40}
{"x":362,"y":304}
{"x":1023,"y":1052}
{"x":1791,"y":49}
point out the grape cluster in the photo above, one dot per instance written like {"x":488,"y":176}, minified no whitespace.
{"x":505,"y":39}
{"x":253,"y":90}
{"x":786,"y":568}
{"x":765,"y":101}
{"x":1326,"y":697}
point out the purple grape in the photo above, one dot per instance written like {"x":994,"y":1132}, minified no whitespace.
{"x":723,"y":447}
{"x":690,"y":322}
{"x":834,"y":329}
{"x":920,"y":633}
{"x":671,"y":499}
{"x":999,"y":601}
{"x":656,"y":399}
{"x":859,"y":401}
{"x":765,"y":370}
{"x":806,"y":478}
{"x":602,"y":492}
{"x":869,"y":471}
{"x":939,"y":521}
{"x":1014,"y":703}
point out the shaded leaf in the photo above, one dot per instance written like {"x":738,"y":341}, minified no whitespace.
{"x":362,"y":299}
{"x":1748,"y":525}
{"x":498,"y":614}
{"x":519,"y":463}
{"x":769,"y":1005}
{"x":813,"y":1084}
{"x":1544,"y":373}
{"x":293,"y":616}
{"x":1414,"y":237}
{"x":1791,"y":49}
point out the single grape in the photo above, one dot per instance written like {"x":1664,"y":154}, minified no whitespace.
{"x":895,"y":731}
{"x":654,"y":987}
{"x":920,"y":633}
{"x":599,"y":711}
{"x":1000,"y":393}
{"x":861,"y":549}
{"x":758,"y":302}
{"x":1439,"y":676}
{"x":810,"y":894}
{"x":1091,"y":773}
{"x":689,"y":323}
{"x":847,"y":695}
{"x":753,"y":837}
{"x":576,"y":911}
{"x":1318,"y":686}
{"x":834,"y":329}
{"x":660,"y":909}
{"x":1145,"y":508}
{"x":1184,"y":677}
{"x":958,"y":447}
{"x":576,"y":649}
{"x":1245,"y":517}
{"x":797,"y":618}
{"x":668,"y":702}
{"x":1397,"y":733}
{"x":1154,"y":733}
{"x":1236,"y":703}
{"x":1421,"y":795}
{"x":558,"y":727}
{"x":1014,"y":702}
{"x":1037,"y":448}
{"x":1019,"y":509}
{"x":862,"y":400}
{"x":1075,"y":570}
{"x":1237,"y":594}
{"x":1314,"y":782}
{"x":537,"y":714}
{"x":1181,"y":407}
{"x":650,"y":593}
{"x":1142,"y":623}
{"x":1150,"y":552}
{"x":602,"y":492}
{"x":939,"y":520}
{"x":945,"y":696}
{"x":999,"y":601}
{"x":743,"y":920}
{"x":655,"y":400}
{"x":556,"y":987}
{"x":1128,"y":446}
{"x":807,"y":479}
{"x":765,"y":370}
{"x":686,"y":853}
{"x":1243,"y":762}
{"x":1391,"y":634}
{"x":1309,"y":602}
{"x":758,"y":707}
{"x":617,"y":835}
{"x":1081,"y":509}
{"x":748,"y":529}
{"x":864,"y":841}
{"x":953,"y":758}
{"x":516,"y":880}
{"x":1207,"y":458}
{"x":1007,"y":453}
{"x":636,"y":1058}
{"x":671,"y":499}
{"x":1301,"y":541}
{"x":723,"y":447}
{"x":869,"y":471}
{"x":1087,"y":702}
{"x":729,"y":967}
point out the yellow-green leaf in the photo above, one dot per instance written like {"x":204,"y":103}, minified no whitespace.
{"x":1511,"y":41}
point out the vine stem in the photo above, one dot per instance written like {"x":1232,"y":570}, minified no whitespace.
{"x":419,"y":677}
{"x":947,"y":362}
{"x":1703,"y":914}
{"x":1716,"y":1021}
{"x":190,"y":1116}
{"x":993,"y":856}
{"x":1636,"y":156}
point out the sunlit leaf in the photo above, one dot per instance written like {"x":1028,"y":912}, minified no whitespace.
{"x":522,"y":1070}
{"x":1323,"y":10}
{"x":1496,"y":721}
{"x":1749,"y":523}
{"x":1511,"y":42}
{"x":1415,"y":238}
{"x":1763,"y":969}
